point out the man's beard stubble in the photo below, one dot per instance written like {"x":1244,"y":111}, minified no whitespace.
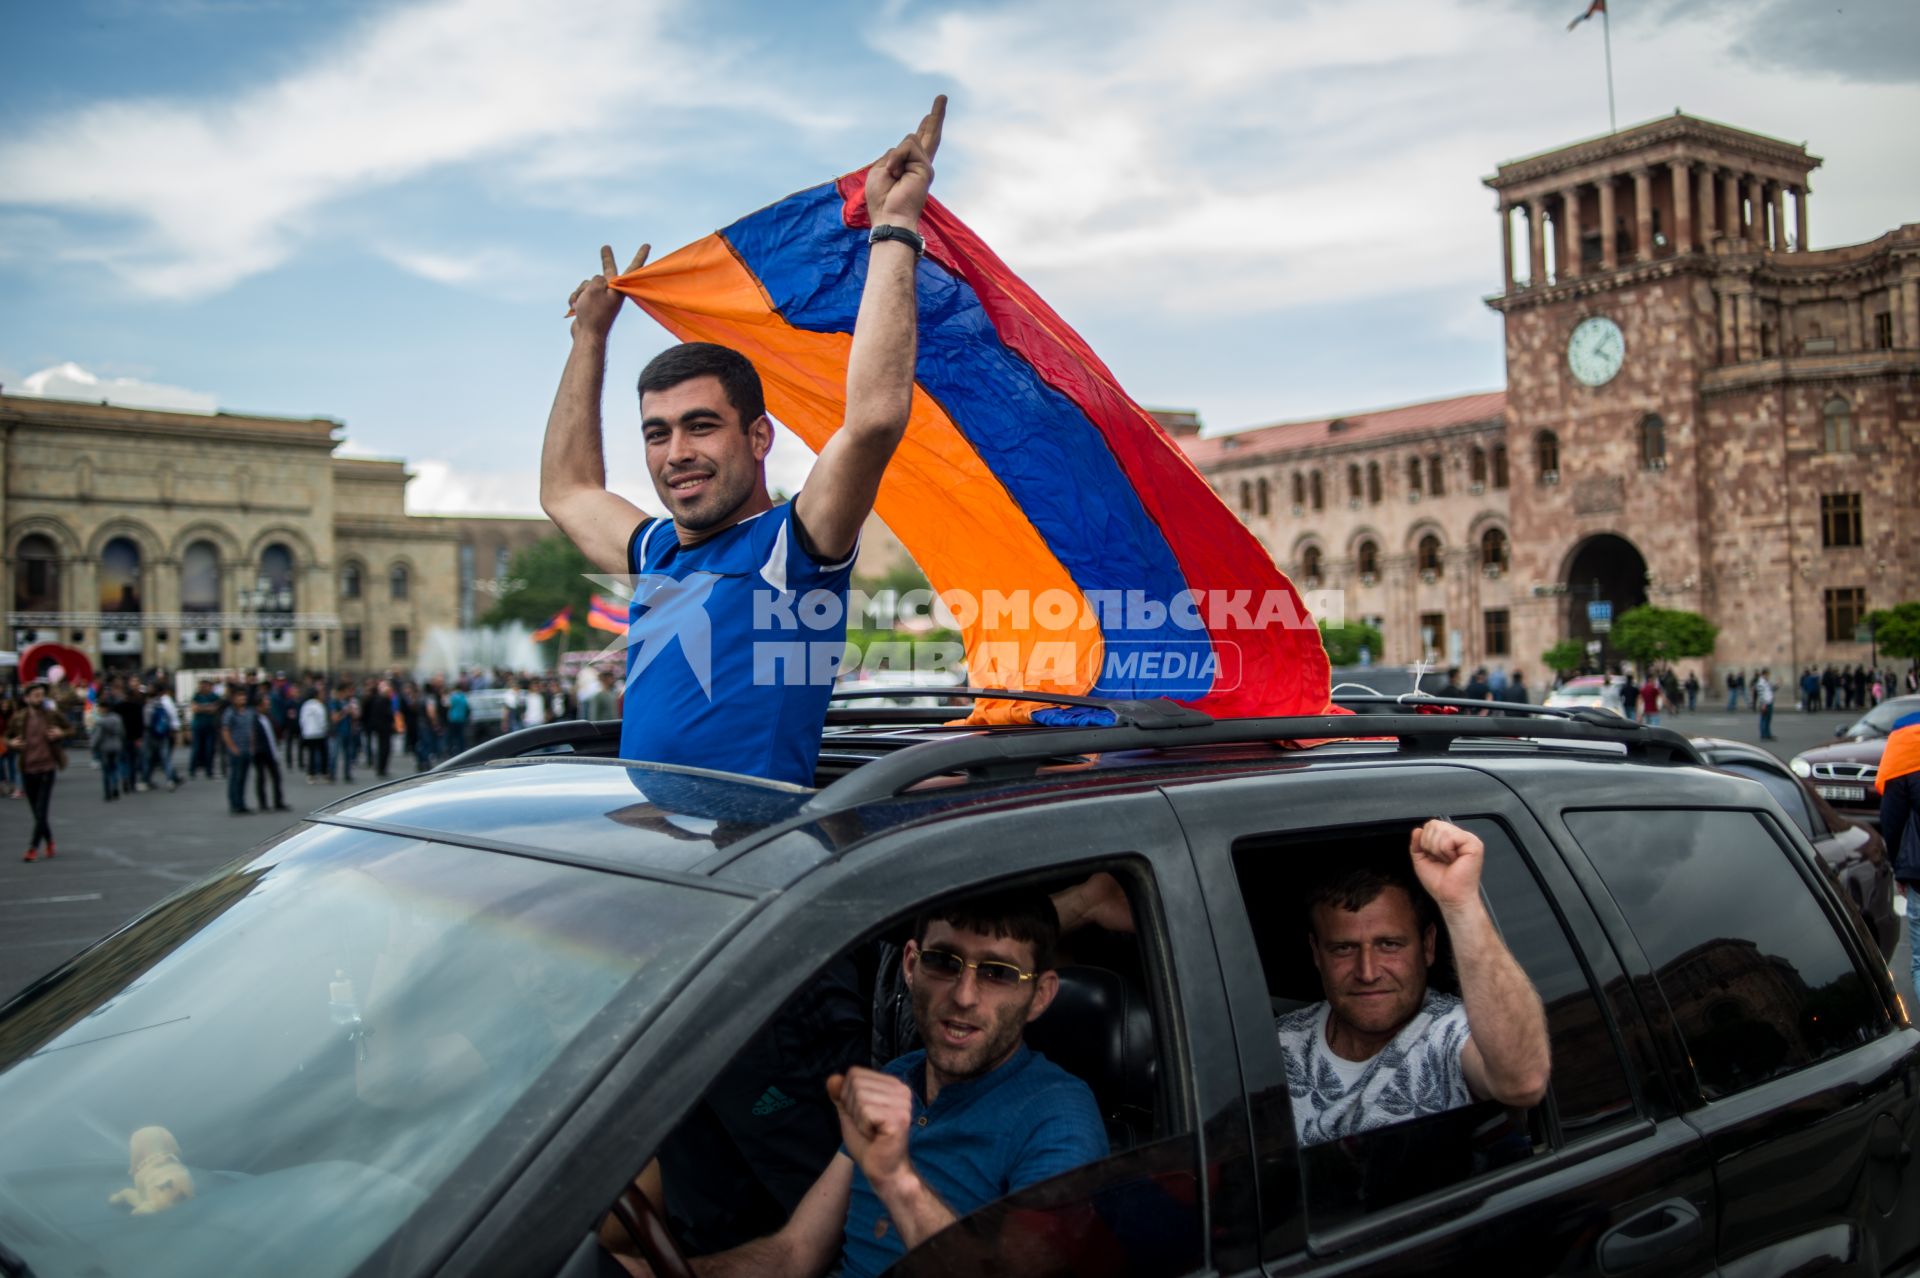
{"x":1001,"y":1030}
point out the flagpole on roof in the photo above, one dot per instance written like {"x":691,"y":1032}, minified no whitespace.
{"x":1606,"y":32}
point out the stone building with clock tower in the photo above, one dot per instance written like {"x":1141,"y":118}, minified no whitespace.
{"x":1701,"y":412}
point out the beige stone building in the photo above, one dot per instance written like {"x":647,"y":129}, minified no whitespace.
{"x":191,"y":540}
{"x":1700,"y":412}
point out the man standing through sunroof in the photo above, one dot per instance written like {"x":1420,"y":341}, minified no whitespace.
{"x":718,"y":578}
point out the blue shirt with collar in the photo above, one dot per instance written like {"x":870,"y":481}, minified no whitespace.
{"x":980,"y":1140}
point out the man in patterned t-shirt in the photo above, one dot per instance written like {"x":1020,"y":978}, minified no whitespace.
{"x":1383,"y":1048}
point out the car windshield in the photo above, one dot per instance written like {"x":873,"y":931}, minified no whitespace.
{"x":274,"y":1070}
{"x":1879,"y":721}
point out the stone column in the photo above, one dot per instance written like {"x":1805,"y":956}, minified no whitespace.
{"x":1757,"y":203}
{"x":1536,"y":243}
{"x":1642,"y":216}
{"x":1709,"y":231}
{"x":1570,"y":236}
{"x":1506,"y":245}
{"x":1680,"y":178}
{"x":1729,"y":345}
{"x":1779,"y":218}
{"x":1910,"y":307}
{"x":1856,"y":323}
{"x":1749,"y":332}
{"x":1730,"y":204}
{"x":1609,"y":253}
{"x":1800,"y":218}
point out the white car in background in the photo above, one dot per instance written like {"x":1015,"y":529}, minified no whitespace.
{"x":1591,"y":691}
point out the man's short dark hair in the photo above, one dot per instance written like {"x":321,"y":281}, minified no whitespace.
{"x":1354,"y":889}
{"x":1024,"y":914}
{"x":689,"y":360}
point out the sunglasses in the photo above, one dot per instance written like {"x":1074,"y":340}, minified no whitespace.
{"x":942,"y":965}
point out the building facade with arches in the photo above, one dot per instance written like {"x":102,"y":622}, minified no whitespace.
{"x":1701,"y":412}
{"x":219,"y":541}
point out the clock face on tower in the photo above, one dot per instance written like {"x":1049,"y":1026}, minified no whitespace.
{"x":1595,"y":350}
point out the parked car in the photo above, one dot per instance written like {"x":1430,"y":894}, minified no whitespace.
{"x":438,"y":1027}
{"x":1844,"y":772}
{"x":1593,"y":692}
{"x":1854,"y":853}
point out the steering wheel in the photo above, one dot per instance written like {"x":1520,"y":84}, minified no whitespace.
{"x":650,"y":1234}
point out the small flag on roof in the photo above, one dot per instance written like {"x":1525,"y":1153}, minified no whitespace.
{"x":1026,"y":476}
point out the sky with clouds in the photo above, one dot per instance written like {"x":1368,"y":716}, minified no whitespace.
{"x":375,"y":211}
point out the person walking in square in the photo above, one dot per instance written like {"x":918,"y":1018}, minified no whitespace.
{"x":266,"y":760}
{"x":36,"y":731}
{"x":236,"y":735}
{"x":344,"y":712}
{"x":204,"y":729}
{"x":163,"y":725}
{"x":109,"y":744}
{"x":1763,"y":702}
{"x":313,"y":734}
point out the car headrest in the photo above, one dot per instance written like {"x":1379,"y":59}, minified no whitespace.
{"x":1101,"y":1030}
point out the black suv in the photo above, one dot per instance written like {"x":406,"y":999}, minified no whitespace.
{"x":440,"y":1027}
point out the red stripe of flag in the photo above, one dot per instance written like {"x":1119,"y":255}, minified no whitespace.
{"x":1598,"y":6}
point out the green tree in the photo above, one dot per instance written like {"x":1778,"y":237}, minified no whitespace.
{"x":545,"y":577}
{"x":1345,"y":641}
{"x":1647,"y":634}
{"x":1565,"y":657}
{"x":1897,"y":630}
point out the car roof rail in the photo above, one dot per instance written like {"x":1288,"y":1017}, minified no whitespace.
{"x":997,"y":753}
{"x":542,"y":738}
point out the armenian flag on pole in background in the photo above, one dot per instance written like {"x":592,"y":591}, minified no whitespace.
{"x":604,"y":614}
{"x":556,"y":625}
{"x":1025,"y":468}
{"x":1598,"y":6}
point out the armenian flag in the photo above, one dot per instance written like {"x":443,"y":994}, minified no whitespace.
{"x":1902,"y":753}
{"x":604,"y":614}
{"x":557,"y":624}
{"x":1026,"y":473}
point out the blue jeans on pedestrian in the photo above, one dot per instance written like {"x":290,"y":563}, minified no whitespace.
{"x":110,"y":773}
{"x":1733,"y":701}
{"x":341,"y":760}
{"x":160,"y":757}
{"x":1913,"y":930}
{"x":10,"y":769}
{"x":237,"y":781}
{"x":1766,"y":720}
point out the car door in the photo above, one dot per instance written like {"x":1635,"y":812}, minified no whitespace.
{"x":841,"y":901}
{"x":1609,"y":1178}
{"x":1802,"y":1069}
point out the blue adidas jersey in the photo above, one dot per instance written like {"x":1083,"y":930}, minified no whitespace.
{"x":732,"y":648}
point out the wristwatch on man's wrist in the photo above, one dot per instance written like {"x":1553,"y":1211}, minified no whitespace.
{"x":912,"y":239}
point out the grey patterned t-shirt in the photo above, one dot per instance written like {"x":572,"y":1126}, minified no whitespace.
{"x":1417,"y":1073}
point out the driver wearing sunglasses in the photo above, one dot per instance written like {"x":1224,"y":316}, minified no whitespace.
{"x":943,"y":1131}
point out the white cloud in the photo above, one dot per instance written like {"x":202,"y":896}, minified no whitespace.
{"x":71,"y":381}
{"x":211,"y":192}
{"x":1241,"y":156}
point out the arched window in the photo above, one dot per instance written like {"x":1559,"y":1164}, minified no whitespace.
{"x":1477,"y":465}
{"x":1373,"y":483}
{"x":1415,"y":474}
{"x":398,"y":583}
{"x":1310,"y":565}
{"x":36,"y":574}
{"x":1353,"y":483}
{"x":1369,"y":559}
{"x":1839,"y":426}
{"x":1299,"y":489}
{"x":1246,"y":497}
{"x":1437,"y":475}
{"x":352,"y":579}
{"x":1429,"y":556}
{"x":1546,"y":456}
{"x":200,"y":577}
{"x":276,"y":579}
{"x":120,"y":576}
{"x":1493,"y":550}
{"x":1316,"y":491}
{"x":1653,"y":442}
{"x":1499,"y":465}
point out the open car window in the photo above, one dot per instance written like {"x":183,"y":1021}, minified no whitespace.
{"x":322,"y":1035}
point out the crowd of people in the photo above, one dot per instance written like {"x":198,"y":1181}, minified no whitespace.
{"x":231,"y":728}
